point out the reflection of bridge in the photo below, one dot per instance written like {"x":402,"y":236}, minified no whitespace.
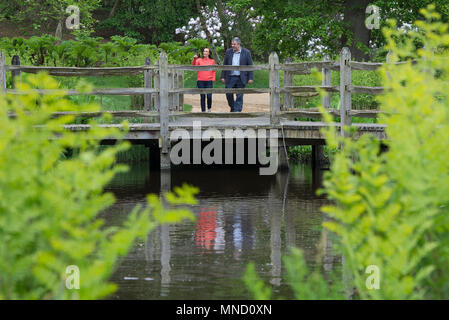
{"x":283,"y":212}
{"x":164,"y":95}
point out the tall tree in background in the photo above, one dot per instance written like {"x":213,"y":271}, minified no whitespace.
{"x":206,"y":31}
{"x":219,"y":21}
{"x":293,"y":28}
{"x":46,"y":14}
{"x":300,"y":27}
{"x":151,"y":21}
{"x":224,"y":18}
{"x":356,"y":35}
{"x":114,"y":8}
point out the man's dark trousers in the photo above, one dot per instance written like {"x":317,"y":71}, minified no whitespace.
{"x":237,"y":105}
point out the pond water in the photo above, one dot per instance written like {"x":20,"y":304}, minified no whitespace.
{"x":241,"y":217}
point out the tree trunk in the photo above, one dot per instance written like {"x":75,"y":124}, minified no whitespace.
{"x":354,"y":21}
{"x":61,"y":25}
{"x":114,"y":8}
{"x":206,"y":31}
{"x":58,"y":33}
{"x":224,"y":31}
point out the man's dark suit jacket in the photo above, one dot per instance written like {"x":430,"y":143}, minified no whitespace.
{"x":245,"y":60}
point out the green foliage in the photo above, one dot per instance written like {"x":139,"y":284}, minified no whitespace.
{"x":177,"y":53}
{"x":198,"y":45}
{"x":84,"y":52}
{"x":292,"y":28}
{"x":365,"y":78}
{"x":49,"y":204}
{"x":287,"y":30}
{"x":255,"y":285}
{"x":391,"y":208}
{"x":308,"y":285}
{"x":406,"y":12}
{"x":152,"y":21}
{"x":39,"y":49}
{"x":124,"y":43}
{"x":88,"y":51}
{"x":304,"y":153}
{"x":45,"y":13}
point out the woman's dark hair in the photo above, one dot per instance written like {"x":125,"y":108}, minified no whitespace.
{"x":210,"y":52}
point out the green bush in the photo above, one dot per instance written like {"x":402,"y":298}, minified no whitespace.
{"x":391,"y":210}
{"x":40,"y":49}
{"x":49,"y":203}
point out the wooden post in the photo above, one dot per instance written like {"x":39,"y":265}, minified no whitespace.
{"x":282,"y":156}
{"x":288,"y":82}
{"x":176,"y":87}
{"x":275,"y":240}
{"x":181,"y":86}
{"x":148,"y":80}
{"x":165,"y":235}
{"x":327,"y":81}
{"x":317,"y":156}
{"x":15,"y":73}
{"x":170,"y":88}
{"x":157,"y":85}
{"x":317,"y":150}
{"x":275,"y":99}
{"x":345,"y":89}
{"x":2,"y":73}
{"x":155,"y":158}
{"x":164,"y":140}
{"x":388,"y":60}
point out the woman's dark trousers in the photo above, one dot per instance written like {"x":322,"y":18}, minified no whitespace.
{"x":205,"y":85}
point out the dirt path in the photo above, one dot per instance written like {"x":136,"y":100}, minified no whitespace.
{"x":251,"y":102}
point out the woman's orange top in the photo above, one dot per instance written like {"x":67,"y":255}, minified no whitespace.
{"x":204,"y":75}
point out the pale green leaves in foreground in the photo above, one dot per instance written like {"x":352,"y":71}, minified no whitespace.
{"x":391,"y":209}
{"x":49,"y":204}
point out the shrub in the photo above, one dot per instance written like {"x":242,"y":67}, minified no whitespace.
{"x":49,"y":204}
{"x":391,"y":209}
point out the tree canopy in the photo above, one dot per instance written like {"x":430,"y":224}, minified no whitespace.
{"x":45,"y":13}
{"x":293,"y":28}
{"x":152,"y":21}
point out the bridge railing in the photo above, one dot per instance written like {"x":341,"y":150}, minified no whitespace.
{"x":164,"y":90}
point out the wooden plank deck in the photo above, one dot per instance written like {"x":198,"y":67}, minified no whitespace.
{"x":297,"y":132}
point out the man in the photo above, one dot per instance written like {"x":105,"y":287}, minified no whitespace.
{"x":237,"y":56}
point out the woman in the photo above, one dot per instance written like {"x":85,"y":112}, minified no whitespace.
{"x":205,"y":78}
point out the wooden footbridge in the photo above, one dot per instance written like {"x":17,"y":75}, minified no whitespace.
{"x":164,"y":102}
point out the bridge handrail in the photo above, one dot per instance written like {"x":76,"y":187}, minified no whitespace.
{"x":174,"y":84}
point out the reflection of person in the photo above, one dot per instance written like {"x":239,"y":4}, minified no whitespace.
{"x":205,"y":78}
{"x":237,"y":56}
{"x":205,"y":229}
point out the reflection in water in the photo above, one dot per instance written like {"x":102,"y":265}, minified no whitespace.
{"x":219,"y":244}
{"x":275,"y":242}
{"x":165,"y":260}
{"x":241,"y":217}
{"x":206,"y":228}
